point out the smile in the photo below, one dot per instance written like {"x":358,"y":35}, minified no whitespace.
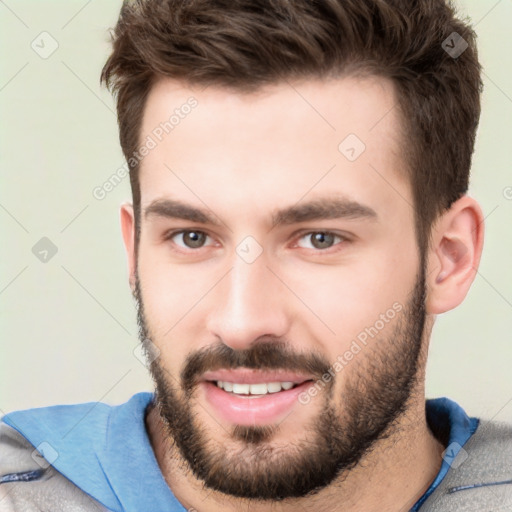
{"x":245,"y":396}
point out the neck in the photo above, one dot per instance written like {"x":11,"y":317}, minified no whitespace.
{"x":392,"y":477}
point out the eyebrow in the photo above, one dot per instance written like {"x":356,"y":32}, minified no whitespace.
{"x":318,"y":209}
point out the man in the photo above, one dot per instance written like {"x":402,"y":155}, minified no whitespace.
{"x":299,"y":174}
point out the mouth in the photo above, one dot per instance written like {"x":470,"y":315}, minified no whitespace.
{"x":252,"y":397}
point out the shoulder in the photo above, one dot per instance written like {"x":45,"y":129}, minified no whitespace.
{"x":63,"y":457}
{"x":29,"y":483}
{"x":480,"y":476}
{"x":489,"y":449}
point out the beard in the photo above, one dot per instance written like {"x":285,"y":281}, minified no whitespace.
{"x":375,"y":394}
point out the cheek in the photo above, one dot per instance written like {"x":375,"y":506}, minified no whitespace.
{"x":170,"y":289}
{"x":346,"y":300}
{"x":169,"y":300}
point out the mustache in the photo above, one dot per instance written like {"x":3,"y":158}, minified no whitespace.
{"x":269,"y":355}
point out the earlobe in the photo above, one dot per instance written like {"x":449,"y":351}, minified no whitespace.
{"x":454,"y":255}
{"x":128,"y":231}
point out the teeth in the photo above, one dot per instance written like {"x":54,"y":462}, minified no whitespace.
{"x":254,"y":389}
{"x":241,"y":389}
{"x":274,"y":387}
{"x":258,"y":389}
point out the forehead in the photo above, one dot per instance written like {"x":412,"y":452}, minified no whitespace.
{"x":284,"y":140}
{"x":350,"y":104}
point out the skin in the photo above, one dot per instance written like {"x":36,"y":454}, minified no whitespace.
{"x":242,"y":157}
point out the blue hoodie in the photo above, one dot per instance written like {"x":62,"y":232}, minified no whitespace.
{"x":105,"y":450}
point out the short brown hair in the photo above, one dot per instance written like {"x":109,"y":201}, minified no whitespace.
{"x":244,"y":44}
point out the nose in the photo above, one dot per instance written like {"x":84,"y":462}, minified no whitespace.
{"x":250,"y":302}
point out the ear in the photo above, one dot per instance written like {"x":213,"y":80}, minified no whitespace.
{"x":454,"y":255}
{"x":128,"y":231}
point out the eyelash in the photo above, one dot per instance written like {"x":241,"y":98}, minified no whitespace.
{"x":169,"y":236}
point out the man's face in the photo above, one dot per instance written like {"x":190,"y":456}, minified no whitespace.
{"x":299,"y":285}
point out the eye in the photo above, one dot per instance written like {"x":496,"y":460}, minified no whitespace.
{"x":188,"y":239}
{"x":320,"y":240}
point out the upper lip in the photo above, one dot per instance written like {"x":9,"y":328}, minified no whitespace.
{"x":251,"y":376}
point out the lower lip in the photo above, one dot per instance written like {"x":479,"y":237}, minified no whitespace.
{"x":252,"y":409}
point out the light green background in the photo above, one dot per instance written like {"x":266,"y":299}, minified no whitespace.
{"x":68,"y":327}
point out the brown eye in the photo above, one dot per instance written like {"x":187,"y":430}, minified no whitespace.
{"x":190,"y":239}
